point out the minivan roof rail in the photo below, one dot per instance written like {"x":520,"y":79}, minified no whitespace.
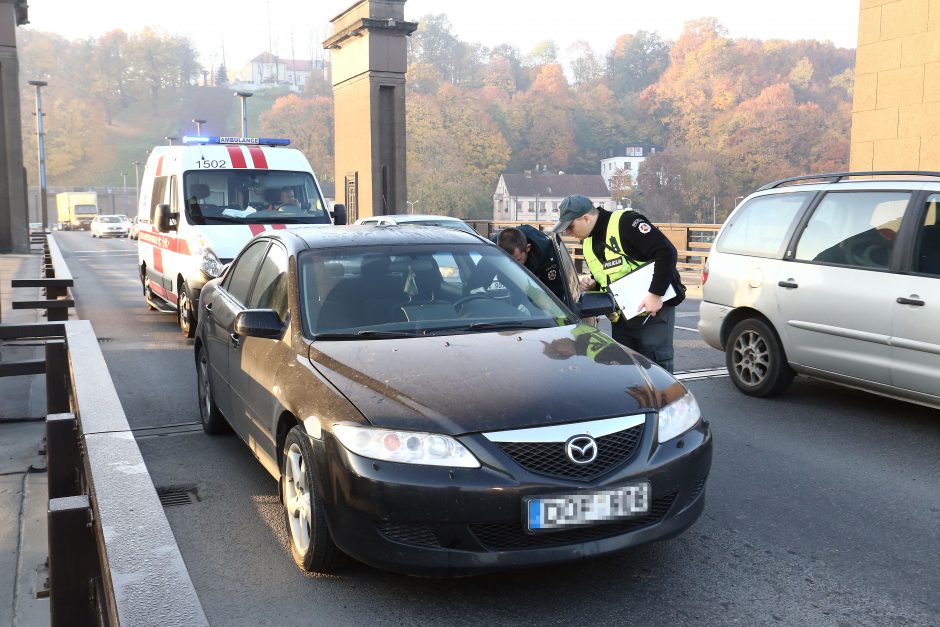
{"x":835,"y":177}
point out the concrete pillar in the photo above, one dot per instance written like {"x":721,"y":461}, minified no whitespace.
{"x":370,"y":57}
{"x":14,"y":226}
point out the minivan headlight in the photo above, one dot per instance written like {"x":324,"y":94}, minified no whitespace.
{"x":678,"y":417}
{"x":406,"y":447}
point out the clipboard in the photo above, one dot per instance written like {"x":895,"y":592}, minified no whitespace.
{"x":629,"y":290}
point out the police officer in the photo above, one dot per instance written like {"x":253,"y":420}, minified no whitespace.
{"x":615,"y":244}
{"x":534,"y":250}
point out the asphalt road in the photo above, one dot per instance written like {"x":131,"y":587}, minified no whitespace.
{"x":823,"y":505}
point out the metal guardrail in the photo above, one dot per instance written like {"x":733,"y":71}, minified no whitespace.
{"x":113,"y":559}
{"x":56,"y":280}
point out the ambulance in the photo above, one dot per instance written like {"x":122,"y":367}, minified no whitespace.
{"x":201,"y":202}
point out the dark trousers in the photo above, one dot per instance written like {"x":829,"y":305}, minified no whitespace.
{"x":653,"y":340}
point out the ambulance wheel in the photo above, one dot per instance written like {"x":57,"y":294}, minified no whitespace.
{"x":148,"y":294}
{"x":184,"y":312}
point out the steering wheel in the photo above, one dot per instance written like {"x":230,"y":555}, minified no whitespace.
{"x":469,"y":297}
{"x":868,"y":254}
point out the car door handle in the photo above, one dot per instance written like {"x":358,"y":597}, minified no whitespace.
{"x":790,"y":284}
{"x":911,"y":301}
{"x":236,"y":340}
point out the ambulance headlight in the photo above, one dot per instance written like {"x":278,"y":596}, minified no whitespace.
{"x":210,"y":264}
{"x":208,"y":261}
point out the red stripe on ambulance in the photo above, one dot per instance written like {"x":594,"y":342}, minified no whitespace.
{"x":160,"y":167}
{"x":278,"y":227}
{"x":256,"y":228}
{"x":157,"y":259}
{"x":257,"y":155}
{"x":237,"y":156}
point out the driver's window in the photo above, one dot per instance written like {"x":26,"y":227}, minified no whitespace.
{"x":853,"y":229}
{"x":238,"y":280}
{"x":270,"y":290}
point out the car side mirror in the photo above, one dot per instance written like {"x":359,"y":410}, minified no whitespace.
{"x":339,"y":214}
{"x":264,"y":323}
{"x":165,"y":219}
{"x":592,"y":304}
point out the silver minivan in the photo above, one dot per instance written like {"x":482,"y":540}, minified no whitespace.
{"x":833,"y":276}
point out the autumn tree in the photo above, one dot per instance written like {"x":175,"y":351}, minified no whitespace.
{"x":308,"y":121}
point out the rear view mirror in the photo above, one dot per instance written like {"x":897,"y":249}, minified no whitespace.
{"x":339,"y":214}
{"x":264,"y":323}
{"x":164,"y":219}
{"x":592,"y":304}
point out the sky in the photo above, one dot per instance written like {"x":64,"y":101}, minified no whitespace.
{"x":297,"y":27}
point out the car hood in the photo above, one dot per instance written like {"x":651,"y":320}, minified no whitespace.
{"x":490,"y":381}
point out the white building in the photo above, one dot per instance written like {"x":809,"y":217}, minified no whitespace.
{"x":534,"y":196}
{"x":268,"y":70}
{"x":626,"y":158}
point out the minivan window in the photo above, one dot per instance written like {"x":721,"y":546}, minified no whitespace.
{"x":251,"y":196}
{"x":853,"y":229}
{"x":761,"y":226}
{"x":927,"y":248}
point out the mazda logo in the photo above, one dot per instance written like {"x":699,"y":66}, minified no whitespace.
{"x":581,"y":449}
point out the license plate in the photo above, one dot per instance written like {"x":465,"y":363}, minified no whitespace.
{"x":558,"y":512}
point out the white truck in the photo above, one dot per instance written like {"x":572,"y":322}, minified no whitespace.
{"x":76,"y":210}
{"x":201,"y":202}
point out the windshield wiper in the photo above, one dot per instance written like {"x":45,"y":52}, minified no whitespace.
{"x":364,"y":334}
{"x":226,"y":219}
{"x":506,"y":325}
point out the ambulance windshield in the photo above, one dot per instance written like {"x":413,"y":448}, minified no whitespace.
{"x":253,"y":196}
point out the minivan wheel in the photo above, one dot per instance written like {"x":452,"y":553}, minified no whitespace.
{"x":184,"y":312}
{"x":311,"y":546}
{"x":756,"y":360}
{"x":213,"y":422}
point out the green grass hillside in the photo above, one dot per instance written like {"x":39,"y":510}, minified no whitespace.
{"x":142,"y":126}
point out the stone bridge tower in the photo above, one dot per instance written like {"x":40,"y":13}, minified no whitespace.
{"x":369,"y":54}
{"x":14,"y":234}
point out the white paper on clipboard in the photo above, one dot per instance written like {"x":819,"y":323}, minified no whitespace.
{"x":630,"y":290}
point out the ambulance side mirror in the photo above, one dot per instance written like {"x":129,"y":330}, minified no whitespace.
{"x":339,"y":214}
{"x":165,"y":219}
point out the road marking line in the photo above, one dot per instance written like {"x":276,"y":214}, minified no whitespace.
{"x":707,"y":373}
{"x":687,"y":329}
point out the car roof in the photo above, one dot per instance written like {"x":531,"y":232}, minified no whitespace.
{"x":371,"y":235}
{"x":413,"y":217}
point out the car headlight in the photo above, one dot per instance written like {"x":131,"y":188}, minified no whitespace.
{"x":208,"y":261}
{"x":678,"y":417}
{"x":406,"y":447}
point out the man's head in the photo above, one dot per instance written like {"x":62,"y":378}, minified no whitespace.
{"x":514,"y":242}
{"x":287,"y":195}
{"x":576,"y":216}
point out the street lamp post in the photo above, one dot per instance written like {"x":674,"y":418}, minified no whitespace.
{"x":169,"y":139}
{"x":44,"y":203}
{"x":137,"y":181}
{"x":124,"y":177}
{"x":411,"y":205}
{"x":198,"y":124}
{"x":244,"y":95}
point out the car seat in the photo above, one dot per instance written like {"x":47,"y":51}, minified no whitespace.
{"x":425,"y":301}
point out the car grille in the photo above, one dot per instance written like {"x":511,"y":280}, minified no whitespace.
{"x":418,"y":535}
{"x":508,"y":536}
{"x":549,"y":458}
{"x":697,"y":489}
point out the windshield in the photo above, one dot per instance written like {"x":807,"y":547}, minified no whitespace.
{"x":250,"y":196}
{"x":86,"y":209}
{"x":450,"y":224}
{"x":419,"y":290}
{"x":111,"y":219}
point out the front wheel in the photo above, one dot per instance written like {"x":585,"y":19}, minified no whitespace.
{"x":185,"y":314}
{"x":311,"y":546}
{"x":213,"y":422}
{"x":756,"y":360}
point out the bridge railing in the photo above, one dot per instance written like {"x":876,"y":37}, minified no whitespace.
{"x":113,"y":559}
{"x":692,"y":241}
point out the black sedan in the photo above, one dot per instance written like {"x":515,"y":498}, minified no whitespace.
{"x":429,"y":408}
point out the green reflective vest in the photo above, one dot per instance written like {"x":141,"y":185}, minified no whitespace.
{"x":618,"y":263}
{"x":596,"y":341}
